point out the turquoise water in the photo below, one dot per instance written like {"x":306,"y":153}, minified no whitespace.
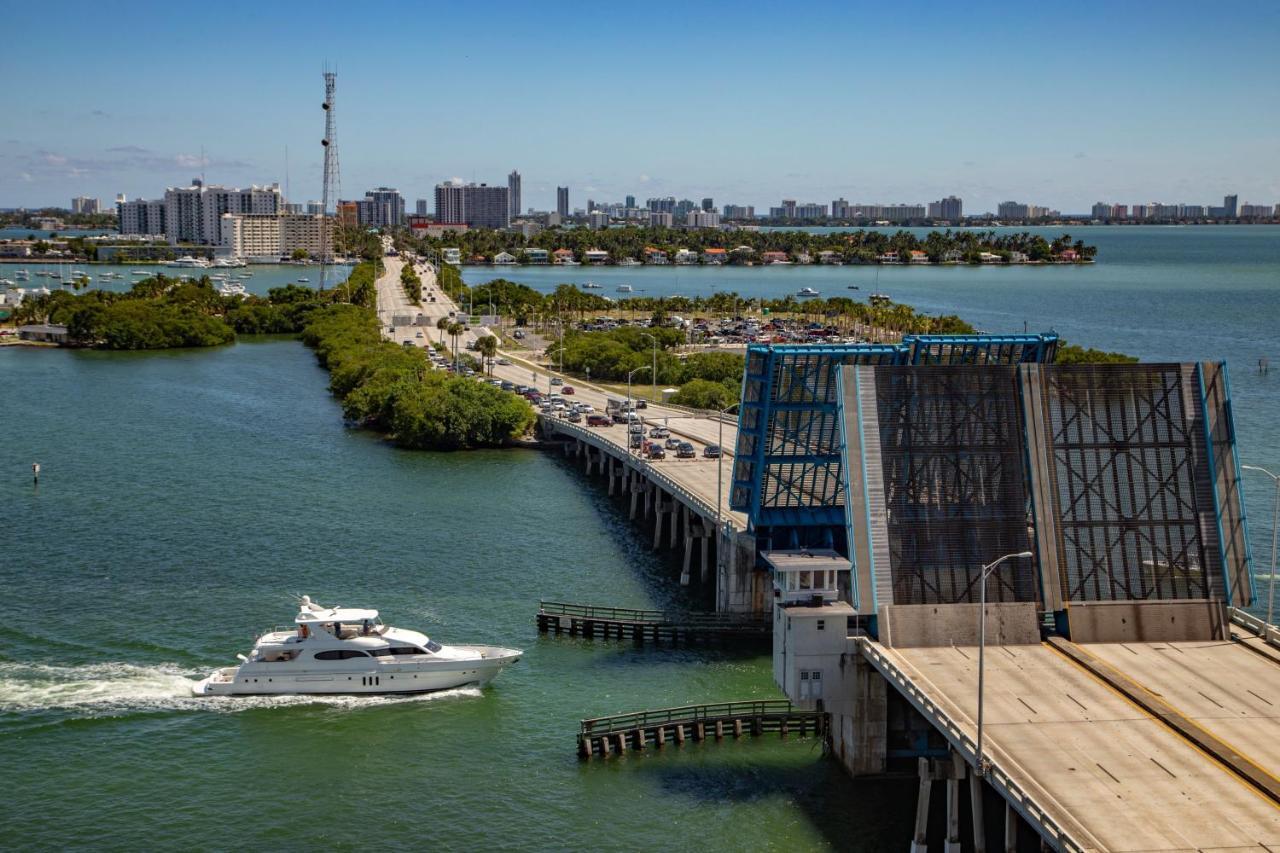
{"x":264,"y":276}
{"x":187,"y":495}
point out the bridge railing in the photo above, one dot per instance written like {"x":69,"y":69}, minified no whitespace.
{"x":595,"y":611}
{"x":688,"y":713}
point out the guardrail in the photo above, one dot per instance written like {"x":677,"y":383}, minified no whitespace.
{"x":1255,"y":625}
{"x":1023,"y":803}
{"x":687,"y":714}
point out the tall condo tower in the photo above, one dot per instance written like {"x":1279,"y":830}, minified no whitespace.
{"x":332,"y":182}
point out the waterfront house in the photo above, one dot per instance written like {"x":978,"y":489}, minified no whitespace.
{"x":889,"y":257}
{"x":686,"y":256}
{"x":1069,"y":255}
{"x":774,"y":257}
{"x":714,"y":256}
{"x":1018,"y":257}
{"x":990,"y":258}
{"x":504,"y":258}
{"x":952,"y":256}
{"x":562,"y":256}
{"x":534,"y":255}
{"x":43,"y":332}
{"x":596,"y":256}
{"x":827,"y":256}
{"x":804,"y":258}
{"x":655,"y":256}
{"x":15,"y":249}
{"x":919,"y":257}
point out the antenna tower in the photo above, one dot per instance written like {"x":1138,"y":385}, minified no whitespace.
{"x":332,"y":182}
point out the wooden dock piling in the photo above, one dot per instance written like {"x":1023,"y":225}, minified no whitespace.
{"x":606,"y":735}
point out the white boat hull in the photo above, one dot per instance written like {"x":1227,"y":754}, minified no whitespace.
{"x":375,"y":678}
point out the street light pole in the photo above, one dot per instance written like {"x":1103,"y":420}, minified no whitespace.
{"x":1275,"y":521}
{"x":629,"y":375}
{"x":653,"y":393}
{"x":720,"y":468}
{"x":978,"y":767}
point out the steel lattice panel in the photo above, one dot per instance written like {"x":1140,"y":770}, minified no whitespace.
{"x":955,"y":493}
{"x":1131,"y":482}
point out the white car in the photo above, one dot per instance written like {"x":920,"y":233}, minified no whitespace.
{"x":586,"y":408}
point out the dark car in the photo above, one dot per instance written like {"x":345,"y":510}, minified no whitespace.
{"x":685,"y":451}
{"x":620,"y":417}
{"x":599,"y":420}
{"x":711,"y":451}
{"x":642,"y":404}
{"x":636,"y":441}
{"x":574,"y":417}
{"x":655,"y":451}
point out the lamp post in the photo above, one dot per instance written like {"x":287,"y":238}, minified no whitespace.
{"x":982,"y":643}
{"x":629,"y":375}
{"x":653,"y":393}
{"x":720,"y":468}
{"x":1275,"y":518}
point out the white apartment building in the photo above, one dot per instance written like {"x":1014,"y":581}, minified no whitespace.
{"x":194,"y":214}
{"x":702,"y":219}
{"x":141,"y":216}
{"x":268,"y":238}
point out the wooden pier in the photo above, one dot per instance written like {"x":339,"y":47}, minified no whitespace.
{"x":616,"y":734}
{"x":652,"y":626}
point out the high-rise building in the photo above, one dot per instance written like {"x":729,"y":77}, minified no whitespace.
{"x":661,"y":205}
{"x":738,"y":211}
{"x":809,"y":210}
{"x":1101,"y":210}
{"x":1011,"y":210}
{"x":660,"y":219}
{"x":270,"y":238}
{"x":682,"y":208}
{"x":708,"y":204}
{"x":562,"y":201}
{"x":513,"y":194}
{"x":789,"y":208}
{"x":476,"y":205}
{"x":382,"y":208}
{"x":313,"y":208}
{"x":1229,"y":204}
{"x":84,"y":204}
{"x":422,"y":207}
{"x":840,"y":209}
{"x":141,"y":216}
{"x":951,"y":208}
{"x":902,"y":212}
{"x":598,"y":219}
{"x":631,"y":202}
{"x":702,"y":219}
{"x":194,"y":214}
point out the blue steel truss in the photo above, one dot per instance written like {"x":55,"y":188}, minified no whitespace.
{"x":788,"y":463}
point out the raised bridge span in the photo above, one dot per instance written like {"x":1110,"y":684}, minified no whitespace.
{"x":1129,"y":700}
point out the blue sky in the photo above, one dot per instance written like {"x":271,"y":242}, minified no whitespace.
{"x":746,"y":102}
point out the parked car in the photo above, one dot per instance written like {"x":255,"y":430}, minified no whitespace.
{"x":568,"y":389}
{"x":408,"y":343}
{"x":659,"y":432}
{"x":599,"y":420}
{"x":711,"y":451}
{"x":673,"y":443}
{"x":655,"y":451}
{"x":685,"y":451}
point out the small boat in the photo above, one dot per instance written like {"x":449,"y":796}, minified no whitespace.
{"x":231,"y":288}
{"x":304,"y":281}
{"x":343,"y":650}
{"x":883,"y":296}
{"x":625,"y":288}
{"x":591,"y":285}
{"x":139,"y":272}
{"x":188,"y":262}
{"x":806,"y":292}
{"x":853,"y":287}
{"x":628,"y":262}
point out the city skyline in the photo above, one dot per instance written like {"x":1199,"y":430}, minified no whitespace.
{"x":977,"y":102}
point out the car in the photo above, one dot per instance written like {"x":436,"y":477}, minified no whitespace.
{"x":642,"y":404}
{"x":586,"y":408}
{"x":518,"y":335}
{"x":408,"y":343}
{"x":620,"y":417}
{"x":574,"y":417}
{"x":635,"y":440}
{"x":599,"y":420}
{"x":507,"y":385}
{"x":568,"y":389}
{"x":711,"y":451}
{"x":559,"y":407}
{"x":633,"y":418}
{"x":673,"y":443}
{"x":504,"y":361}
{"x":635,"y":429}
{"x":659,"y":432}
{"x":556,"y":380}
{"x":655,"y":451}
{"x":685,"y":451}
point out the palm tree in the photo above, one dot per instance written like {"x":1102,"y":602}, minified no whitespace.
{"x":487,"y":346}
{"x":443,"y":324}
{"x":455,"y":330}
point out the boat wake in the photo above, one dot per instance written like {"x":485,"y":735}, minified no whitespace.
{"x":116,"y":689}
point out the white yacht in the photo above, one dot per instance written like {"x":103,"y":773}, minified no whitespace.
{"x":628,"y":262}
{"x":625,"y":288}
{"x":188,"y":262}
{"x":340,"y":650}
{"x":228,"y":263}
{"x":139,"y":272}
{"x":591,"y":285}
{"x":231,"y":288}
{"x":807,"y":291}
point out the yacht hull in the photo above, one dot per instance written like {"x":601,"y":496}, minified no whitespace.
{"x":380,"y":679}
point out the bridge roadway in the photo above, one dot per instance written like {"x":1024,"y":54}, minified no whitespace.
{"x":1090,"y":765}
{"x":696,"y":478}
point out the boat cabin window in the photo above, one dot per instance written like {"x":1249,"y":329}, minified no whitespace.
{"x":433,"y":646}
{"x":340,"y":654}
{"x":401,"y":650}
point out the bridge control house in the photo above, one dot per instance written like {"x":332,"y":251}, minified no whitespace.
{"x":884,"y":485}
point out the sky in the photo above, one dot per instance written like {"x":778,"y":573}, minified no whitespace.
{"x":748,"y":103}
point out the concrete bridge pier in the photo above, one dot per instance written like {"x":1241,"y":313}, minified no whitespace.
{"x":662,"y":504}
{"x":695,"y":529}
{"x":740,"y":587}
{"x":614,"y":474}
{"x":635,"y":487}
